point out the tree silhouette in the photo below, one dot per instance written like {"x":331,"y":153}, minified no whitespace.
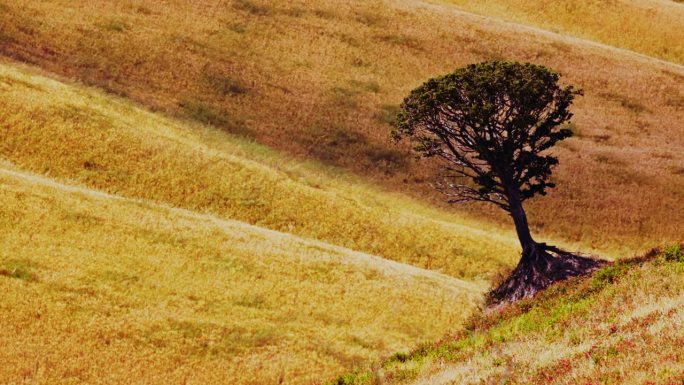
{"x":490,"y":125}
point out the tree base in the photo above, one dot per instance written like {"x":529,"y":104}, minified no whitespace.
{"x":540,"y":266}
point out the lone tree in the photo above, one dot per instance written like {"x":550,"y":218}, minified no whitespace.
{"x":490,"y":125}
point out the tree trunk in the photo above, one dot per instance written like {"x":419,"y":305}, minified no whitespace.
{"x":540,"y":265}
{"x":521,"y":226}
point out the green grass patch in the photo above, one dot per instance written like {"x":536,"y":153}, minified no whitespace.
{"x":674,"y":253}
{"x":544,"y":316}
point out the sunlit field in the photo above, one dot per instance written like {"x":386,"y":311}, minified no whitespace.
{"x":621,"y":326}
{"x":321,"y":80}
{"x":651,"y":27}
{"x":107,"y":144}
{"x":205,"y":192}
{"x":103,"y":290}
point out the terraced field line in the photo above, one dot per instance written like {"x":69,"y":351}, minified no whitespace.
{"x":348,"y":256}
{"x":453,"y":9}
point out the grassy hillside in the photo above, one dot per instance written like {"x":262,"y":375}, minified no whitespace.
{"x":101,"y":289}
{"x":651,"y":27}
{"x":130,"y":251}
{"x":622,"y":326}
{"x":322,"y":79}
{"x":77,"y":134}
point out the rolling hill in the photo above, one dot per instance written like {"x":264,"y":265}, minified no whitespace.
{"x":121,"y":258}
{"x":102,"y":289}
{"x":78,"y":134}
{"x":321,"y":80}
{"x":621,"y":326}
{"x":205,"y":192}
{"x":650,"y":27}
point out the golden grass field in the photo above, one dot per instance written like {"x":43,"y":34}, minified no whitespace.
{"x":81,"y":135}
{"x":205,"y":192}
{"x":621,"y":326}
{"x":101,"y":289}
{"x":651,"y":27}
{"x":157,"y":285}
{"x":321,"y":80}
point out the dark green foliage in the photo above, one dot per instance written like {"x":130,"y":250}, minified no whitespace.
{"x":490,"y":123}
{"x":674,"y":253}
{"x":608,"y":275}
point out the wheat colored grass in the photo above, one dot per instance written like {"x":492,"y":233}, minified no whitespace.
{"x":320,"y":80}
{"x":101,"y":289}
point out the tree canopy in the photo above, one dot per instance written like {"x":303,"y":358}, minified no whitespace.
{"x":490,"y":123}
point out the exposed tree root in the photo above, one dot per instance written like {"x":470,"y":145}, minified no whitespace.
{"x":540,"y":266}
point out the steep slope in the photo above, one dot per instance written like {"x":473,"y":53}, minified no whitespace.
{"x":79,"y":134}
{"x":101,"y":289}
{"x":322,"y":79}
{"x":622,"y":326}
{"x":651,"y":27}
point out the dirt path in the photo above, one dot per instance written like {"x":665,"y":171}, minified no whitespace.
{"x":480,"y":19}
{"x":345,"y":255}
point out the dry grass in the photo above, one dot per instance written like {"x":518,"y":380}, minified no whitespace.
{"x":622,"y":326}
{"x":650,"y":27}
{"x":77,"y":134}
{"x":134,"y":290}
{"x":107,"y":289}
{"x":320,"y":79}
{"x":100,"y":289}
